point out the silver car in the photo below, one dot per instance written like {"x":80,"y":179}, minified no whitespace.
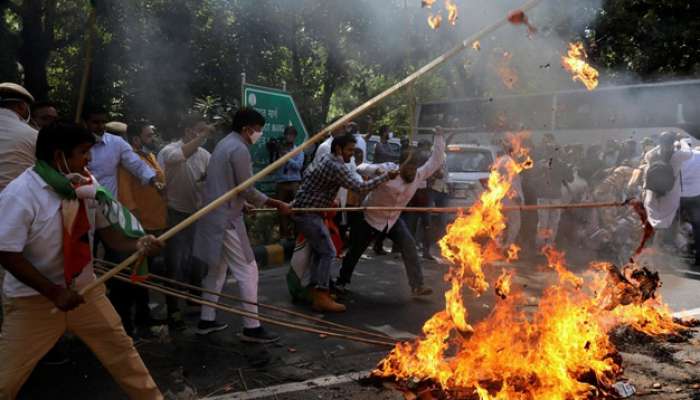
{"x":469,"y":166}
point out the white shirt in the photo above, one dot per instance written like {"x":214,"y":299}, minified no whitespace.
{"x":361,"y":144}
{"x":184,"y":177}
{"x":397,"y":192}
{"x":661,"y":210}
{"x":690,"y":176}
{"x":323,"y":149}
{"x":32,"y":225}
{"x":17,"y":146}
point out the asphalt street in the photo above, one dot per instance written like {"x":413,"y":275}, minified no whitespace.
{"x":301,"y":365}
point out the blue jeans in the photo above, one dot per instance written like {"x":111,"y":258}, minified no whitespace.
{"x":319,"y":238}
{"x":362,"y":234}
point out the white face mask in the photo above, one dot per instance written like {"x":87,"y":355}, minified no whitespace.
{"x":255,"y":136}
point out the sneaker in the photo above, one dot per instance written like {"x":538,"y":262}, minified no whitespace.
{"x":258,"y":335}
{"x":207,"y":327}
{"x":421,"y":291}
{"x":176,"y":322}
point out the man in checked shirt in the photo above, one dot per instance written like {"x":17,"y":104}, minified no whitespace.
{"x":318,"y":190}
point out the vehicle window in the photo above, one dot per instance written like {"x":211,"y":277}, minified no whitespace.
{"x":469,"y":160}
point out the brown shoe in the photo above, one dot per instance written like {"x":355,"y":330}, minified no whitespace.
{"x":324,"y":302}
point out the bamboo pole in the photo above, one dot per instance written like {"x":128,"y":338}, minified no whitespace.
{"x":316,"y":138}
{"x":161,"y":288}
{"x":448,"y":210}
{"x":261,"y":305}
{"x":247,"y":314}
{"x":87,"y":63}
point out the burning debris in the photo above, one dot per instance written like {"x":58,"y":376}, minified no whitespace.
{"x":434,"y":21}
{"x":518,"y":17}
{"x":575,"y":63}
{"x":562,"y":350}
{"x":452,"y":12}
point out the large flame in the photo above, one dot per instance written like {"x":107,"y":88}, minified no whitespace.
{"x":575,"y":63}
{"x":561,"y":350}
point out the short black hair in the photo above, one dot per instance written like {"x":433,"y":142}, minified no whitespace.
{"x":289,"y":130}
{"x":42,"y":104}
{"x":64,"y":136}
{"x":93,"y":109}
{"x":342,"y":141}
{"x":134,"y":128}
{"x":246,"y":116}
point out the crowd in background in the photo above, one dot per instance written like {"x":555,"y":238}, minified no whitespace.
{"x":162,"y":185}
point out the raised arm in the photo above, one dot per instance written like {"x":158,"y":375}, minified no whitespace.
{"x":435,"y":161}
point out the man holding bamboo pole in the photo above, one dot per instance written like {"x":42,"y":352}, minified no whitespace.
{"x":51,"y":213}
{"x":221,"y":239}
{"x":396,"y":193}
{"x":318,"y":189}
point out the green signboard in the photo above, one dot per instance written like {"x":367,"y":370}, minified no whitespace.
{"x":279,"y":111}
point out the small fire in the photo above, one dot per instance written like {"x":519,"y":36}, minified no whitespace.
{"x":513,"y":252}
{"x":434,"y":21}
{"x":427,"y":3}
{"x":476,"y":45}
{"x":507,"y":73}
{"x":503,"y":283}
{"x":575,"y":63}
{"x":560,"y":351}
{"x":452,"y":12}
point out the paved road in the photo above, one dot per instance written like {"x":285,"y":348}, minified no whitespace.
{"x":220,"y":365}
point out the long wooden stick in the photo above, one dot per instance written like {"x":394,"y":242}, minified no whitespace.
{"x":87,"y":63}
{"x":316,"y":138}
{"x":446,"y":210}
{"x":161,"y":288}
{"x":107,"y":264}
{"x":247,"y":314}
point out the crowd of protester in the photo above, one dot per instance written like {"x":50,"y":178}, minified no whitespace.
{"x":71,"y":193}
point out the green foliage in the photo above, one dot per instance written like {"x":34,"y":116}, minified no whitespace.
{"x":156,"y":59}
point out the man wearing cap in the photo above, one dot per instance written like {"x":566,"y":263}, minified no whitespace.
{"x":17,"y":138}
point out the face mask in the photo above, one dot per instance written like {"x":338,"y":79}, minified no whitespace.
{"x":255,"y":136}
{"x":75,"y":178}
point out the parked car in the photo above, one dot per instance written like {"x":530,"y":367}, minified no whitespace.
{"x":395,"y":144}
{"x":468,"y":166}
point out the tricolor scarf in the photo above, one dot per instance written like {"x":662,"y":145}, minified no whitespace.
{"x":77,"y":253}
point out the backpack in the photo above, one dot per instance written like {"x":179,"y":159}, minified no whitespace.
{"x":659,"y":177}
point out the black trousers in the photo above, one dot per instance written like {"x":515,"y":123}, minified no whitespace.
{"x":690,"y":209}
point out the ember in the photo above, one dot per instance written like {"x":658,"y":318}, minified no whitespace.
{"x":575,"y":63}
{"x":452,"y":12}
{"x":434,"y":21}
{"x":427,"y":3}
{"x":476,"y":46}
{"x":563,"y":350}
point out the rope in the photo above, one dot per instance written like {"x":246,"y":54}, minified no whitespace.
{"x":451,"y":210}
{"x":261,"y":305}
{"x":243,"y":313}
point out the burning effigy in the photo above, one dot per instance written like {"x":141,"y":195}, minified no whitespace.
{"x":561,"y":350}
